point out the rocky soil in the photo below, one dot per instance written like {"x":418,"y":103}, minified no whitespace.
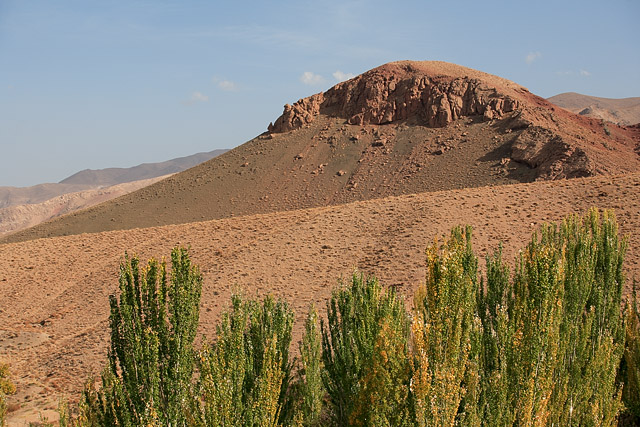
{"x":54,"y":308}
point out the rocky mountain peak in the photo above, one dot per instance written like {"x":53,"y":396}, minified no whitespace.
{"x":434,"y":93}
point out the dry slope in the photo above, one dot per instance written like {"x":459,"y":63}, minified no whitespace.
{"x":624,"y":112}
{"x":401,"y":128}
{"x":55,"y":291}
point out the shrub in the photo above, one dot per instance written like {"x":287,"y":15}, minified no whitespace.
{"x":245,"y":375}
{"x":446,"y":335}
{"x":6,"y":387}
{"x":311,"y":390}
{"x":354,"y":348}
{"x":631,"y":363}
{"x":150,"y":363}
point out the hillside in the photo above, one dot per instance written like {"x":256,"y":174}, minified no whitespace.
{"x":97,"y":178}
{"x":25,"y":207}
{"x":624,"y":112}
{"x":55,"y":306}
{"x":402,"y":128}
{"x":114,"y":176}
{"x":19,"y":217}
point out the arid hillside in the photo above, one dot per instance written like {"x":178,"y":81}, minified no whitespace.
{"x":114,"y":176}
{"x":402,"y":128}
{"x":23,"y":207}
{"x":18,"y":217}
{"x":54,"y":308}
{"x":624,"y":112}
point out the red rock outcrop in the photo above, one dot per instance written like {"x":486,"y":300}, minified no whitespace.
{"x":556,"y":144}
{"x":399,"y":91}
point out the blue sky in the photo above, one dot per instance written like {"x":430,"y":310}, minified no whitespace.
{"x":96,"y":84}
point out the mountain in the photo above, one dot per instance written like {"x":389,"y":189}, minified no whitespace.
{"x":18,"y":217}
{"x":114,"y":176}
{"x":624,"y":112}
{"x":28,"y":206}
{"x":404,"y":127}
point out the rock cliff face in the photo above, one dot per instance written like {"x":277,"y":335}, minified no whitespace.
{"x":555,"y":144}
{"x":396,"y":92}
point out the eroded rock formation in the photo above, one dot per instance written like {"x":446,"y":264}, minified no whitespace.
{"x":397,"y":92}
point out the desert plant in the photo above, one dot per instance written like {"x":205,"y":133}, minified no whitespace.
{"x":631,"y":362}
{"x":446,"y":335}
{"x":352,"y":352}
{"x":245,"y":375}
{"x":150,"y":364}
{"x":6,"y":388}
{"x":310,"y":388}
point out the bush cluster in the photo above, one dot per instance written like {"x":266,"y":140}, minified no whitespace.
{"x":549,"y":343}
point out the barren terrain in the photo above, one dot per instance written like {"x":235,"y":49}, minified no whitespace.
{"x":19,"y":217}
{"x":363,"y":176}
{"x":625,"y":111}
{"x":55,"y":307}
{"x":402,"y":128}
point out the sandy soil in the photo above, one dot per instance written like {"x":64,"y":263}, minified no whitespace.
{"x":54,"y":310}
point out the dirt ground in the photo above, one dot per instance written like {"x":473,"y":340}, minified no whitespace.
{"x":54,"y":306}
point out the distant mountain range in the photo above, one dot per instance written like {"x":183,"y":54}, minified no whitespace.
{"x":624,"y":111}
{"x":113,"y":176}
{"x":22,"y":207}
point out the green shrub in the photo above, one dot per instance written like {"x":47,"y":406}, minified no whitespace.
{"x":311,"y":390}
{"x":245,"y":375}
{"x":631,"y":363}
{"x":6,"y":388}
{"x":553,"y":336}
{"x":352,"y":352}
{"x":150,"y":364}
{"x":446,"y":335}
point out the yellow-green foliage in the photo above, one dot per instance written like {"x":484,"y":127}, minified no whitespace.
{"x":245,"y":375}
{"x":541,"y":346}
{"x":6,"y":387}
{"x":631,"y":374}
{"x":353,"y":351}
{"x":148,"y":380}
{"x":444,"y":331}
{"x":309,"y":382}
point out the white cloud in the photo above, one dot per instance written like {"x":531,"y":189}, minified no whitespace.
{"x":340,"y":76}
{"x":532,"y":56}
{"x":585,"y":73}
{"x":195,"y":98}
{"x":564,"y":73}
{"x":310,"y":78}
{"x":227,"y":85}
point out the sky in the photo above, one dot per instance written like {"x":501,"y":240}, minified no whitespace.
{"x":94,"y":84}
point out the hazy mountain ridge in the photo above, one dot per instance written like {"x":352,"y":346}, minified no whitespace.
{"x":621,"y":111}
{"x":114,"y":176}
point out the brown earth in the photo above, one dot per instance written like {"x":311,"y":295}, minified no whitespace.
{"x":55,"y":291}
{"x":624,"y":111}
{"x":363,"y":176}
{"x":402,"y":128}
{"x":19,"y":217}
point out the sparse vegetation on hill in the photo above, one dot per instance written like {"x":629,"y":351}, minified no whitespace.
{"x":540,"y":346}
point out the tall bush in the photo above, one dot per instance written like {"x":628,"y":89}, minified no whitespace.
{"x":6,"y":388}
{"x":150,"y":364}
{"x":245,"y":376}
{"x":311,"y":390}
{"x":631,"y":363}
{"x":446,"y":335}
{"x":365,"y":326}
